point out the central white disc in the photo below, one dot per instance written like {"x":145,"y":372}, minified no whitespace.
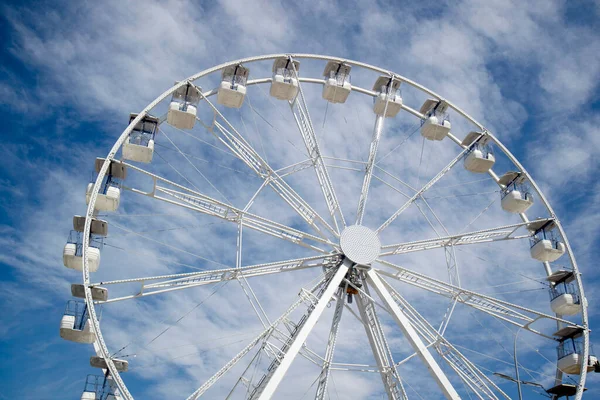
{"x":360,"y":244}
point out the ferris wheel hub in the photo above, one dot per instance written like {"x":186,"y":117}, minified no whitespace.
{"x":360,"y":244}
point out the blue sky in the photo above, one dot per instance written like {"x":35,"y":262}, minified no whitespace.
{"x":71,"y":74}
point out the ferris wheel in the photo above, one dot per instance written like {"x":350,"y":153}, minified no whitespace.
{"x":404,"y":244}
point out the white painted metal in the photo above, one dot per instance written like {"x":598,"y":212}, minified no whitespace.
{"x":168,"y":283}
{"x":106,"y":164}
{"x":364,"y":192}
{"x":333,"y":332}
{"x":242,"y":149}
{"x":276,"y":374}
{"x":427,"y":186}
{"x":305,"y":126}
{"x":360,"y":244}
{"x":379,"y":346}
{"x":485,"y":235}
{"x":481,"y":385}
{"x":512,"y":313}
{"x":411,"y":335}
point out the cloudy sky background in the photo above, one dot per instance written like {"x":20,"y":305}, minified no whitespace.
{"x":71,"y":74}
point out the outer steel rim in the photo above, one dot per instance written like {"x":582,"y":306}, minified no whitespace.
{"x":110,"y":156}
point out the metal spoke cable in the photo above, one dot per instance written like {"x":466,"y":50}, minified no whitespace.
{"x":169,"y":246}
{"x":491,"y":334}
{"x":398,"y":146}
{"x":420,"y":162}
{"x":512,"y":364}
{"x":112,"y":236}
{"x":546,"y":359}
{"x":303,"y":152}
{"x":187,"y":355}
{"x":479,"y":215}
{"x":256,"y":128}
{"x":154,"y":257}
{"x":197,"y":170}
{"x":461,"y":195}
{"x":490,"y":263}
{"x":177,"y":171}
{"x":206,"y":161}
{"x":204,"y":141}
{"x":462,"y":184}
{"x":213,"y":339}
{"x":137,"y":215}
{"x":215,"y":290}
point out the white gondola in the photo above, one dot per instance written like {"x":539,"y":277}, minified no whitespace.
{"x":183,"y":106}
{"x":564,"y":296}
{"x":436,"y":124}
{"x":284,"y":85}
{"x":97,"y":226}
{"x":337,"y":86}
{"x":100,"y":362}
{"x":232,"y":89}
{"x":480,"y":157}
{"x":98,"y":293}
{"x":109,"y":195}
{"x":516,"y":195}
{"x":389,"y":97}
{"x":73,"y":250}
{"x":546,"y":244}
{"x":75,"y":325}
{"x":570,"y":352}
{"x":139,"y":145}
{"x":99,"y":387}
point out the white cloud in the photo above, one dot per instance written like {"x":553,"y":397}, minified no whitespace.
{"x":107,"y":59}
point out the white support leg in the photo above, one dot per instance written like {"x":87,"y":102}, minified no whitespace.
{"x":274,"y":378}
{"x":333,"y":332}
{"x":379,"y":346}
{"x":412,"y":336}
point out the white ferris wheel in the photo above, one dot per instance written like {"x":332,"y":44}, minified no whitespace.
{"x":406,"y":245}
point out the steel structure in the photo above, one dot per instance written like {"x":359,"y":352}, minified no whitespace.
{"x":353,"y":261}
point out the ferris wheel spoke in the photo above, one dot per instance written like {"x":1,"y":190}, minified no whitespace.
{"x":426,"y":187}
{"x":196,"y":201}
{"x":305,"y":296}
{"x":305,"y":126}
{"x":514,"y":314}
{"x":323,"y":379}
{"x":411,"y":335}
{"x":500,"y":233}
{"x":468,"y":372}
{"x":267,"y":385}
{"x":151,"y":285}
{"x":379,"y":346}
{"x":369,"y":167}
{"x":235,"y":142}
